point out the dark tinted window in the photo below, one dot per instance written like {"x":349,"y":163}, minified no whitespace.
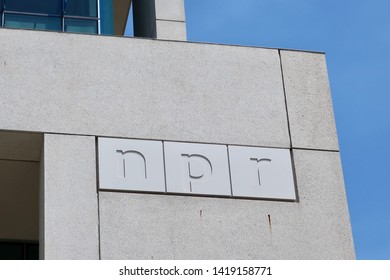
{"x":11,"y":251}
{"x":53,"y":7}
{"x":58,"y":15}
{"x":32,"y":252}
{"x":19,"y":251}
{"x":85,"y":8}
{"x":1,"y":10}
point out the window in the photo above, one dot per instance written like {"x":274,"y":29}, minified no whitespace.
{"x":19,"y":250}
{"x":79,"y":16}
{"x":1,"y":12}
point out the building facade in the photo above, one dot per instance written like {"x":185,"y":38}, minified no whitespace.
{"x":63,"y":94}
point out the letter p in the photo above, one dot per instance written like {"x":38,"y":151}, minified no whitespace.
{"x":197,"y":169}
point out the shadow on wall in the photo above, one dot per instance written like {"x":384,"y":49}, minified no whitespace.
{"x":20,"y":154}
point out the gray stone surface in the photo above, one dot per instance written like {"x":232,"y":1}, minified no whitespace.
{"x":322,"y":196}
{"x":170,"y":10}
{"x":139,"y":226}
{"x":309,"y":101}
{"x":70,"y":198}
{"x":20,"y":146}
{"x":171,"y":30}
{"x":137,"y":88}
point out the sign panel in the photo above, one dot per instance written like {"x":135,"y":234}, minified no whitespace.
{"x":197,"y":168}
{"x":191,"y":168}
{"x":261,"y":172}
{"x":133,"y":165}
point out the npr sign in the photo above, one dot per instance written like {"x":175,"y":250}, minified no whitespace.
{"x":189,"y":168}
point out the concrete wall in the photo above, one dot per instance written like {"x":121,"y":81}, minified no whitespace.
{"x":109,"y":86}
{"x":134,"y":88}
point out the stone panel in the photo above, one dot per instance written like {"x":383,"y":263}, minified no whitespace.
{"x":309,"y":101}
{"x":170,"y":10}
{"x":171,"y":30}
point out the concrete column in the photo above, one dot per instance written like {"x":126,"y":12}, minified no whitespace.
{"x":170,"y":20}
{"x":69,"y":227}
{"x":159,"y":19}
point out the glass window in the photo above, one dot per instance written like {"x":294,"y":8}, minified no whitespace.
{"x":84,"y":8}
{"x":32,"y":252}
{"x":106,"y":17}
{"x":81,"y":26}
{"x":53,"y":7}
{"x":16,"y":250}
{"x":1,"y":12}
{"x":11,"y":251}
{"x":79,"y":16}
{"x":32,"y":22}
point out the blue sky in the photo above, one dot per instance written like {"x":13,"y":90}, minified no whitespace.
{"x":356,"y":38}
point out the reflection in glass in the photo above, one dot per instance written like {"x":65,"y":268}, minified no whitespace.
{"x":106,"y":17}
{"x":52,"y":7}
{"x":85,"y":8}
{"x":32,"y":22}
{"x":81,"y":26}
{"x":1,"y":11}
{"x":79,"y":16}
